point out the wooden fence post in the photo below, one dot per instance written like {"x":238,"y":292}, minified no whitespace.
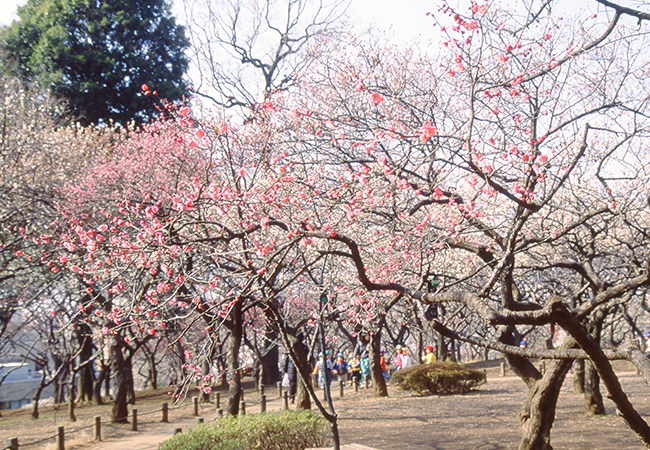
{"x":279,"y":389}
{"x":217,"y":400}
{"x":13,"y":444}
{"x":285,"y":400}
{"x":98,"y":428}
{"x":165,"y":413}
{"x":243,"y":408}
{"x":195,"y":400}
{"x":134,"y":419}
{"x":60,"y":439}
{"x":341,"y":388}
{"x":263,"y":403}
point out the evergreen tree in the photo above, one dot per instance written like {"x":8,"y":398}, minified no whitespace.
{"x":96,"y":55}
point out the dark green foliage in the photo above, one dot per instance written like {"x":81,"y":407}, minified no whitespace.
{"x":95,"y":55}
{"x":439,"y":378}
{"x":289,"y":430}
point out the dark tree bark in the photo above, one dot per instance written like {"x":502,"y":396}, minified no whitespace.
{"x":442,"y":348}
{"x":107,"y":383}
{"x":303,"y":401}
{"x":269,"y":361}
{"x":378,"y":380}
{"x":152,"y":372}
{"x":119,"y":368}
{"x":579,"y":376}
{"x":60,"y":382}
{"x":72,"y":394}
{"x":205,"y":370}
{"x":270,"y":356}
{"x":593,"y":398}
{"x":37,"y":396}
{"x":128,"y":372}
{"x":86,"y":373}
{"x":97,"y":386}
{"x":236,"y":335}
{"x":538,"y":412}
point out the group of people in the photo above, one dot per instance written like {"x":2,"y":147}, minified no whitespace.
{"x":356,"y":369}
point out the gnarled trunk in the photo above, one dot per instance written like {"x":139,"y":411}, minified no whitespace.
{"x":71,"y":401}
{"x":236,"y":334}
{"x":119,"y":369}
{"x":269,"y":358}
{"x":303,"y":400}
{"x":378,"y":380}
{"x":97,"y":386}
{"x":538,"y":412}
{"x":579,"y":376}
{"x":37,"y":396}
{"x":593,"y":398}
{"x":86,"y":372}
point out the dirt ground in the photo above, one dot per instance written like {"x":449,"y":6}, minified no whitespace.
{"x":486,"y":419}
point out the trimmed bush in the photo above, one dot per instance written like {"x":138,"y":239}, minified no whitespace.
{"x":288,"y":430}
{"x":439,"y":378}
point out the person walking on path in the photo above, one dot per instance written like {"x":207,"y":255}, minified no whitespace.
{"x":340,"y":367}
{"x":324,"y":373}
{"x":361,"y":349}
{"x":398,"y":357}
{"x":382,"y":364}
{"x":292,"y":374}
{"x":430,"y":356}
{"x":406,"y":358}
{"x":354,"y":366}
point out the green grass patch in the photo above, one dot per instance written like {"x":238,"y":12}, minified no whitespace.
{"x":439,"y":378}
{"x":288,"y":430}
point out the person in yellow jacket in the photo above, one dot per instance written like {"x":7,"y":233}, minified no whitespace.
{"x":430,"y":356}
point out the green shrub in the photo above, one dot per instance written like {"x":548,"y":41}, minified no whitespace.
{"x":288,"y":430}
{"x":439,"y":378}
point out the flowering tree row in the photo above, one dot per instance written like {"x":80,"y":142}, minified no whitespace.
{"x":509,"y":167}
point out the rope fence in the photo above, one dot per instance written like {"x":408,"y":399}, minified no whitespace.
{"x":133,"y":420}
{"x":60,"y":437}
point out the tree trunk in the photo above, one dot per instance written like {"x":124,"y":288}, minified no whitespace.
{"x":538,"y":412}
{"x":71,"y":400}
{"x":128,"y":372}
{"x":119,"y":369}
{"x":453,"y":350}
{"x":593,"y":398}
{"x":86,"y":373}
{"x":97,"y":386}
{"x":303,"y":400}
{"x":59,"y":382}
{"x":236,"y":333}
{"x":579,"y":376}
{"x":153,"y":371}
{"x":270,"y":357}
{"x":37,"y":396}
{"x":378,"y":380}
{"x":205,"y":371}
{"x":442,"y":348}
{"x":107,"y":383}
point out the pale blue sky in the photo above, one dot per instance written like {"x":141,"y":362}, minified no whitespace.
{"x":407,"y":17}
{"x":8,"y":10}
